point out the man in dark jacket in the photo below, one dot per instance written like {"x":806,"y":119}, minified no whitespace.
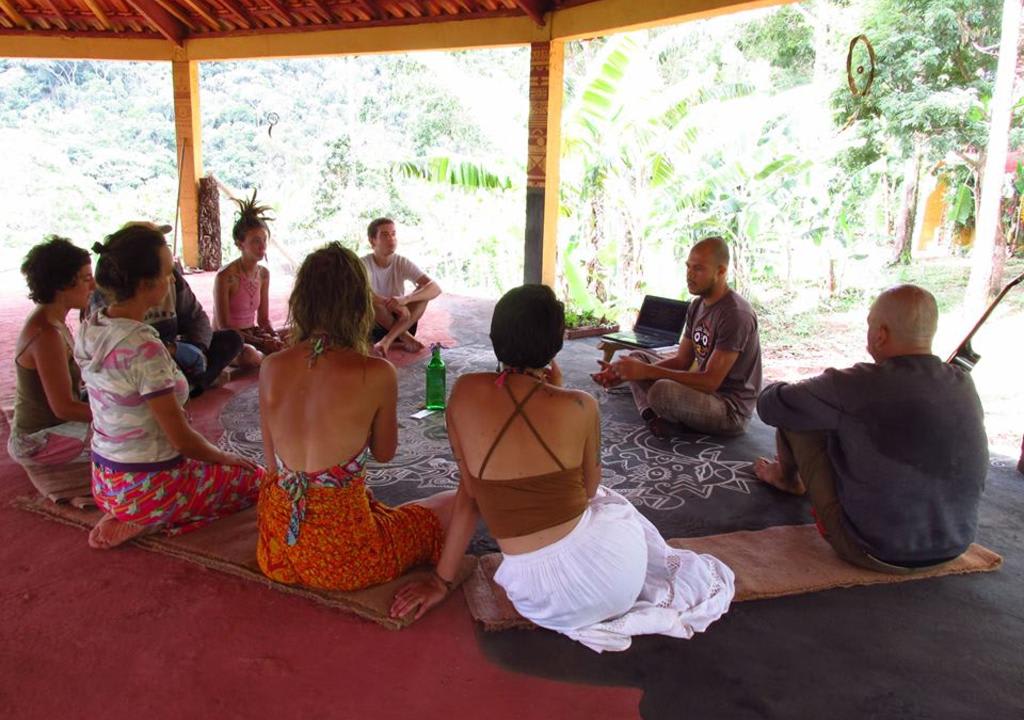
{"x":184,"y":328}
{"x":893,"y":454}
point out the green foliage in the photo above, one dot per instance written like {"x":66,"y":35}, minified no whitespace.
{"x":464,"y":174}
{"x":933,"y":78}
{"x":785,"y":40}
{"x":577,"y":318}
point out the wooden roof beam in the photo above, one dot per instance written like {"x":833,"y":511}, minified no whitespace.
{"x":281,"y":11}
{"x":100,"y":15}
{"x":62,"y":21}
{"x":160,"y":20}
{"x":372,"y":9}
{"x":411,"y":7}
{"x":204,"y":12}
{"x":177,"y":12}
{"x":239,"y":12}
{"x":535,"y":9}
{"x":323,"y":9}
{"x":12,"y":12}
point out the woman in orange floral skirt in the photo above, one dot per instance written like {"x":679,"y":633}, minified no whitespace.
{"x":325,"y":406}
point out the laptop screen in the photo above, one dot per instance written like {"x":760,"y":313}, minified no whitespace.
{"x":660,"y":314}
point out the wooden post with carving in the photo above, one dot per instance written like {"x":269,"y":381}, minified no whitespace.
{"x":210,"y":255}
{"x":542,"y":165}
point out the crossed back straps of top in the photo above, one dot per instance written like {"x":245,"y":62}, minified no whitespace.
{"x":518,"y":412}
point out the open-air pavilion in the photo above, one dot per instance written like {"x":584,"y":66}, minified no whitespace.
{"x":132,"y":633}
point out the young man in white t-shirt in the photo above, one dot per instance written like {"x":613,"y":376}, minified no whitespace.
{"x":395,"y":312}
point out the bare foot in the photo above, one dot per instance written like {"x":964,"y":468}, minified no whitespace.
{"x":111,"y":532}
{"x":410,"y":344}
{"x":770,"y":472}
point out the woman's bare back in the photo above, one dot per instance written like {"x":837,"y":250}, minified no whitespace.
{"x":316,"y":416}
{"x":564,"y":419}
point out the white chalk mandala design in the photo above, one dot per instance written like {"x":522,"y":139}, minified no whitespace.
{"x":654,"y":474}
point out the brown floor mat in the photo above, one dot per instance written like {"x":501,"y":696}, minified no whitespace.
{"x":229,"y":545}
{"x":64,"y":483}
{"x":776,"y":561}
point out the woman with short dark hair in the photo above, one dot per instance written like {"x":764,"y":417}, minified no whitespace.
{"x":151,"y":470}
{"x":51,"y":423}
{"x":577,"y":557}
{"x":325,"y":407}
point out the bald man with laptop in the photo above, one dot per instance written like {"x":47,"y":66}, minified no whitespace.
{"x":710,"y":384}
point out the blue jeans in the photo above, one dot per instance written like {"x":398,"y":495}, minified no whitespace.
{"x":200,"y":367}
{"x":191,"y":360}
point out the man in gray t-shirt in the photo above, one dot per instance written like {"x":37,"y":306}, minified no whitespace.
{"x":710,"y":385}
{"x":396,"y":312}
{"x":892,"y":454}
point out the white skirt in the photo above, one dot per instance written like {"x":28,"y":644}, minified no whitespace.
{"x":613,"y":577}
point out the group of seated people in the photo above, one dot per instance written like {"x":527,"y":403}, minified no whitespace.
{"x":892,"y":454}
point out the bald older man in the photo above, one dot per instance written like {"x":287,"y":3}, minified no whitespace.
{"x":893,"y":453}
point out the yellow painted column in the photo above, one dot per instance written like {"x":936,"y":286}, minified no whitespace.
{"x":542,"y":166}
{"x":188,"y":131}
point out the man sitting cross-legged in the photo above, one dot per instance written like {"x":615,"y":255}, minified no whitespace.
{"x":721,"y":338}
{"x":396,"y":314}
{"x":893,"y":453}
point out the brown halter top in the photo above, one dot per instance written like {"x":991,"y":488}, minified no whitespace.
{"x":512,"y":508}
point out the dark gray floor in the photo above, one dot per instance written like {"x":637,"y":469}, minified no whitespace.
{"x":951,"y":647}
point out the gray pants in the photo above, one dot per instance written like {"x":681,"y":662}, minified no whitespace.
{"x":699,"y":411}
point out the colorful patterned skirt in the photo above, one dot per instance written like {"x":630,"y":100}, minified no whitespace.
{"x":178,"y":499}
{"x":323,"y":531}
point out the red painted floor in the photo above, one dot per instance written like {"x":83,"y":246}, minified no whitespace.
{"x":128,"y":633}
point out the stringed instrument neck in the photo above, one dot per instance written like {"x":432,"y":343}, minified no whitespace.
{"x":964,"y":356}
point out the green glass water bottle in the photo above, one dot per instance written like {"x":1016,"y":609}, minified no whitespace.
{"x":436,"y":384}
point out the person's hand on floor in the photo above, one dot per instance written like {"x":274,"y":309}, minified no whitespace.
{"x":420,"y":596}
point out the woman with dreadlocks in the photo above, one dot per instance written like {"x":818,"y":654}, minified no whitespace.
{"x":241,"y":290}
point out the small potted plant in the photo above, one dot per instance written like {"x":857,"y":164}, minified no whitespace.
{"x":581,"y":323}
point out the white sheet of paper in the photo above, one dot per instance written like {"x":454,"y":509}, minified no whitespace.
{"x":422,"y":414}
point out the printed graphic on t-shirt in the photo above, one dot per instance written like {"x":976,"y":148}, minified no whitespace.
{"x":701,"y":339}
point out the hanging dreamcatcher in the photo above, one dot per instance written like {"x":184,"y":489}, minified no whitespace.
{"x":276,"y":157}
{"x":861,"y":78}
{"x":860,"y":72}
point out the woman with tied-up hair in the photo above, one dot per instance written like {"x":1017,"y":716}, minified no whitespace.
{"x":151,"y":471}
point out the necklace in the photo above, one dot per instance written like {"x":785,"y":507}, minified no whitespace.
{"x":318,"y":345}
{"x":251,"y":282}
{"x":504,"y":371}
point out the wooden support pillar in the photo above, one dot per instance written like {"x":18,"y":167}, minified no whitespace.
{"x":547,"y":69}
{"x":188,"y":130}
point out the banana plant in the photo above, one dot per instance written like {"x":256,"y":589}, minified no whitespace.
{"x":455,"y":172}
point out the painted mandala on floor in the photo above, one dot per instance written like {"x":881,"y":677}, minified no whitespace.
{"x":652,"y":473}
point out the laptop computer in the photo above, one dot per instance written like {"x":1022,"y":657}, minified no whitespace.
{"x":659,"y":324}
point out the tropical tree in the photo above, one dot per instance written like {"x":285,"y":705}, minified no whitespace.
{"x":928,"y":106}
